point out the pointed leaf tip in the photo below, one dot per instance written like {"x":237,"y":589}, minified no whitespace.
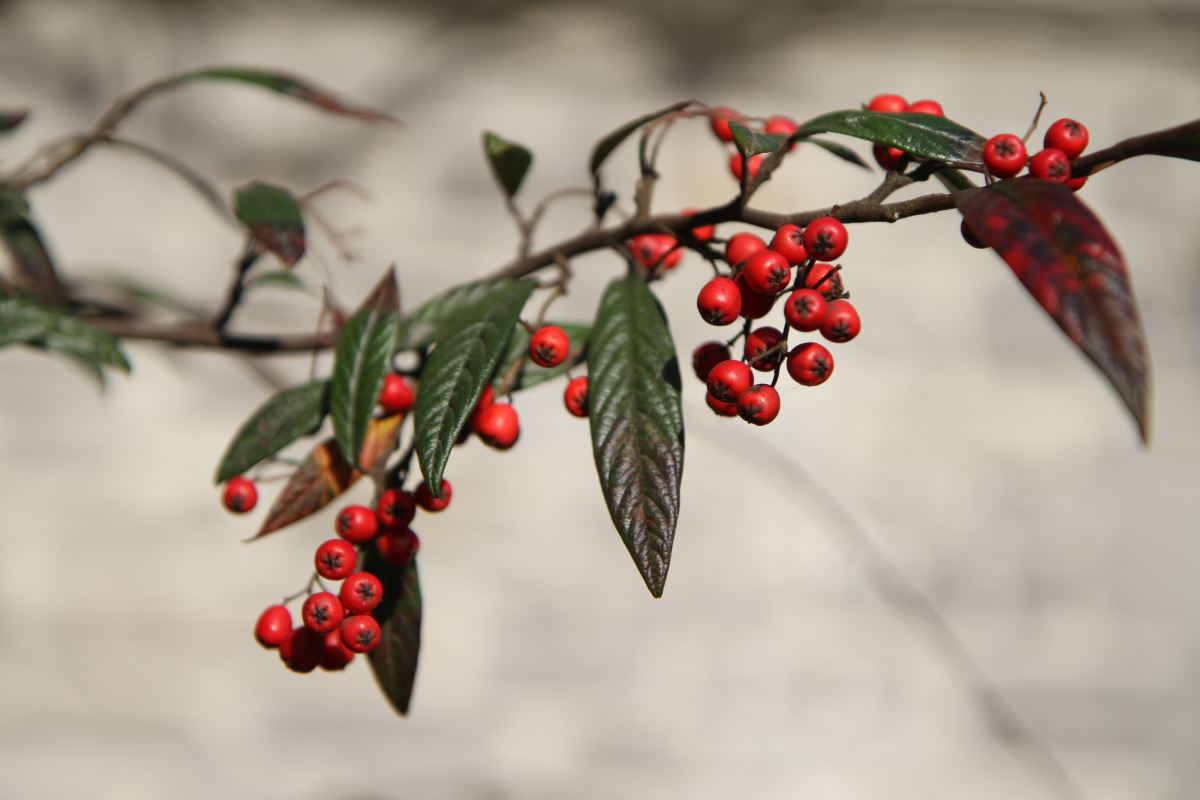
{"x":509,"y":161}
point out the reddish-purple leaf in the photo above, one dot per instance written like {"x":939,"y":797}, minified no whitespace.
{"x":273,"y":216}
{"x":283,"y":84}
{"x":1061,"y":253}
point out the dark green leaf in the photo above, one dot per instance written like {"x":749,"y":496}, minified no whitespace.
{"x":605,"y":146}
{"x":394,"y":660}
{"x":463,"y":360}
{"x":198,"y":182}
{"x":24,"y":322}
{"x":283,"y":84}
{"x":530,"y":373}
{"x":921,"y":135}
{"x":1182,"y":141}
{"x":273,"y":216}
{"x":419,"y":327}
{"x":840,"y":150}
{"x":509,"y":161}
{"x":1065,"y":258}
{"x":34,"y":267}
{"x":278,"y":278}
{"x":635,"y":413}
{"x":283,"y":419}
{"x":9,"y":120}
{"x":361,"y":361}
{"x":751,"y":143}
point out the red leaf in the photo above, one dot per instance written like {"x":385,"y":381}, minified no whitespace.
{"x":1061,"y":253}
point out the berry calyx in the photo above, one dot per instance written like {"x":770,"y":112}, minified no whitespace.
{"x":737,"y":165}
{"x":1051,"y":164}
{"x":728,"y":379}
{"x":761,"y":341}
{"x":759,"y":404}
{"x":499,"y":426}
{"x":549,"y":345}
{"x":1004,"y":154}
{"x":720,"y":407}
{"x":719,"y":301}
{"x":398,"y":547}
{"x":826,"y":279}
{"x":356,"y":524}
{"x":703,"y":232}
{"x":719,"y":122}
{"x":360,"y":633}
{"x":1067,"y":135}
{"x":274,"y":626}
{"x":741,"y":246}
{"x":322,"y":612}
{"x":804,"y":309}
{"x":788,"y":241}
{"x":335,"y":655}
{"x":335,"y":559}
{"x":360,"y":593}
{"x":825,"y":238}
{"x":926,"y":107}
{"x":427,"y":501}
{"x":767,"y":272}
{"x":396,"y":508}
{"x":707,"y":356}
{"x":240,"y":496}
{"x":888,"y":104}
{"x":755,"y":305}
{"x":841,"y":322}
{"x":810,"y":364}
{"x":575,"y":396}
{"x":302,"y":650}
{"x":396,"y":396}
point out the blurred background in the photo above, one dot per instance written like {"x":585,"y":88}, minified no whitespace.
{"x":965,"y":467}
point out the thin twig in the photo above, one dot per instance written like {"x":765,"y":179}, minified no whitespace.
{"x":237,"y":286}
{"x":1036,"y":117}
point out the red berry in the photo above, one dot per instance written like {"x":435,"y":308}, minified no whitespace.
{"x":335,"y":655}
{"x":274,"y":626}
{"x":360,"y":633}
{"x":887,"y":157}
{"x":804,"y":309}
{"x":703,"y":232}
{"x":396,"y":396}
{"x":1067,"y":135}
{"x":720,"y":407}
{"x":788,"y":241}
{"x":809,"y":364}
{"x":486,"y":398}
{"x":719,"y":301}
{"x":969,"y":236}
{"x":741,"y":246}
{"x":1004,"y":154}
{"x":427,"y":501}
{"x":360,"y":593}
{"x":754,"y":305}
{"x":825,"y":238}
{"x":1051,"y":164}
{"x":841,"y":322}
{"x":826,"y":279}
{"x":728,"y":379}
{"x":780,"y":125}
{"x":760,"y":341}
{"x":398,"y":547}
{"x":396,"y":508}
{"x":759,"y":404}
{"x":1075,"y":184}
{"x":926,"y":107}
{"x":575,"y":396}
{"x":707,"y":356}
{"x":241,"y":495}
{"x":549,"y":345}
{"x":499,"y":426}
{"x":887,"y":104}
{"x":767,"y":272}
{"x":322,"y":612}
{"x":719,"y":122}
{"x":335,"y":559}
{"x":356,"y":524}
{"x":302,"y":650}
{"x":737,"y":162}
{"x":651,"y":250}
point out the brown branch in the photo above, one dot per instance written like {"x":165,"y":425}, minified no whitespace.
{"x":237,"y":286}
{"x":202,"y":335}
{"x":1156,"y":143}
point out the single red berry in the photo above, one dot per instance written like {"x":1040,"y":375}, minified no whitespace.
{"x":241,"y":495}
{"x":969,"y":236}
{"x":887,"y":104}
{"x":719,"y":301}
{"x":398,"y":547}
{"x":767,"y":272}
{"x":674,"y":252}
{"x":804,"y":309}
{"x":427,"y":501}
{"x":549,"y":345}
{"x":652,"y":250}
{"x":759,"y":404}
{"x":720,"y":407}
{"x":926,"y":107}
{"x":841,"y":322}
{"x":809,"y":364}
{"x":396,"y":508}
{"x":826,"y":279}
{"x":360,"y":633}
{"x":728,"y":379}
{"x":737,"y":165}
{"x":335,"y":655}
{"x":760,"y":341}
{"x":1051,"y":164}
{"x":335,"y":559}
{"x":1075,"y":184}
{"x":788,"y":241}
{"x":741,"y":246}
{"x":719,"y":122}
{"x":360,"y":593}
{"x":486,"y":398}
{"x":1067,"y":135}
{"x":887,"y":157}
{"x":780,"y":125}
{"x":1004,"y":154}
{"x":274,"y":626}
{"x":396,"y":396}
{"x":575,"y":396}
{"x":754,"y":304}
{"x":302,"y":650}
{"x":703,"y":232}
{"x":707,"y":356}
{"x":499,"y":426}
{"x":322,"y":612}
{"x":356,"y":524}
{"x":825,"y":238}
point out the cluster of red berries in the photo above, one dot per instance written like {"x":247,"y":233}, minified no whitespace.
{"x":893,"y":157}
{"x":760,"y":274}
{"x":738,"y":164}
{"x":1005,"y":155}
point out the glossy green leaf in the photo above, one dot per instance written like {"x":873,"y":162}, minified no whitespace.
{"x":461,"y":364}
{"x":25,"y":322}
{"x":840,"y":150}
{"x":531,"y":374}
{"x":273,"y":216}
{"x":419,"y":327}
{"x":394,"y":660}
{"x":283,"y":419}
{"x":921,"y":135}
{"x":1065,"y":258}
{"x":509,"y":161}
{"x":11,"y":119}
{"x":361,"y":361}
{"x":281,"y":83}
{"x":34,"y":267}
{"x":1182,"y":141}
{"x":751,"y":143}
{"x":636,"y":418}
{"x":605,"y":146}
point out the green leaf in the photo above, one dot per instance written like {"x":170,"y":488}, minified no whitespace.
{"x":419,"y":327}
{"x":361,"y":361}
{"x":840,"y":150}
{"x":273,"y":216}
{"x":636,"y":417}
{"x":1182,"y":141}
{"x":468,"y":349}
{"x":34,"y":267}
{"x":921,"y":135}
{"x":531,"y":374}
{"x":751,"y":143}
{"x":24,"y":322}
{"x":281,"y":83}
{"x":509,"y":161}
{"x":278,"y":278}
{"x":283,"y":419}
{"x":10,"y":119}
{"x":1065,"y":258}
{"x":394,"y":660}
{"x":605,"y":146}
